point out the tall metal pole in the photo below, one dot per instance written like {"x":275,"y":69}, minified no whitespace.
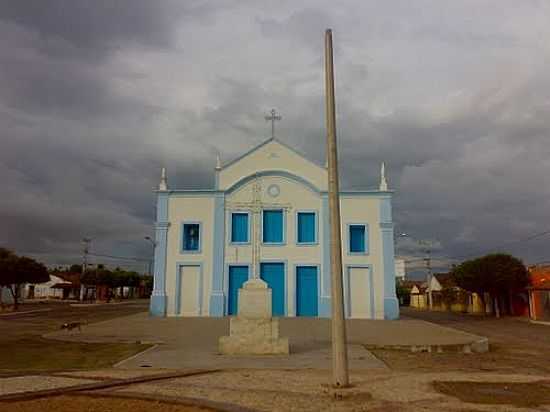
{"x":340,"y":377}
{"x":86,"y":242}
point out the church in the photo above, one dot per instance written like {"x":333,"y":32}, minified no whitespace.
{"x":267,"y":216}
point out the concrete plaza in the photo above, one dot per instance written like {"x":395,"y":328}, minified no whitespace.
{"x":193,"y":342}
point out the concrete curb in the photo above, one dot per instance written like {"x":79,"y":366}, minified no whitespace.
{"x":478,"y":346}
{"x":101,"y":385}
{"x":23,"y":313}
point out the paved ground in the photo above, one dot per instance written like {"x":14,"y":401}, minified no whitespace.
{"x":193,"y":342}
{"x":405,"y":383}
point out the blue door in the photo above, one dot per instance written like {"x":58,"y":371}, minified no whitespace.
{"x":274,"y":275}
{"x":237,"y":276}
{"x":306,"y":291}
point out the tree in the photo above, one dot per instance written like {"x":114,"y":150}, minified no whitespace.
{"x":497,"y":274}
{"x":75,"y":269}
{"x":18,"y":270}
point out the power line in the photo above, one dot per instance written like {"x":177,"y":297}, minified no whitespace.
{"x":118,"y":257}
{"x":526,"y":239}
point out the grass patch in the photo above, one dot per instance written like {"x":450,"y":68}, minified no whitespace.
{"x":39,"y":354}
{"x":521,"y":394}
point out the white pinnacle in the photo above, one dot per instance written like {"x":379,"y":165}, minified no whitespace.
{"x":163,"y":185}
{"x":218,"y":162}
{"x":383,"y":181}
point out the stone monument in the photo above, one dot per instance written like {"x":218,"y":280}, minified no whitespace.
{"x":253,"y":331}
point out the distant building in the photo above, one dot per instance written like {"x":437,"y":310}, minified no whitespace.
{"x":539,"y":292}
{"x":52,"y":289}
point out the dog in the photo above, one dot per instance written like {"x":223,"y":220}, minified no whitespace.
{"x":73,"y":325}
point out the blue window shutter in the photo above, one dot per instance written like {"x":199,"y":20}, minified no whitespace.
{"x":273,"y":226}
{"x":239,"y":227}
{"x":306,"y":227}
{"x":191,"y":233}
{"x":357,"y":238}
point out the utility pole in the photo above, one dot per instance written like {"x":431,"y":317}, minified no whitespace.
{"x":428,"y":260}
{"x":340,"y":376}
{"x":86,"y":249}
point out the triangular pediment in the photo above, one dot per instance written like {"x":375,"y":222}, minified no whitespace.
{"x":272,"y":155}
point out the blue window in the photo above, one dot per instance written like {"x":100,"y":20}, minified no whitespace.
{"x":272,"y":226}
{"x":306,"y":227}
{"x":357,"y":238}
{"x":191,"y":237}
{"x":239,"y":227}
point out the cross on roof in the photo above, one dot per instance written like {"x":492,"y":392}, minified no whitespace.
{"x":272,"y":118}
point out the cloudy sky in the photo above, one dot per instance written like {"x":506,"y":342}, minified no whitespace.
{"x":96,"y":96}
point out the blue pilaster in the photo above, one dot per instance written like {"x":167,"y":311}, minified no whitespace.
{"x":217,"y":298}
{"x":157,"y":305}
{"x":391,"y":305}
{"x":324,"y":298}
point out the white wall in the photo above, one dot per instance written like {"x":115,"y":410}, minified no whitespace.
{"x":192,"y":209}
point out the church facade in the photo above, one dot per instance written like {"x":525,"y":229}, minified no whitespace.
{"x":267,"y":216}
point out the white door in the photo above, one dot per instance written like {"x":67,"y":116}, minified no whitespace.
{"x":358,"y":294}
{"x":190,"y":288}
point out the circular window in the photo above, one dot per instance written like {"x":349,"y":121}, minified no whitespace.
{"x":273,"y":190}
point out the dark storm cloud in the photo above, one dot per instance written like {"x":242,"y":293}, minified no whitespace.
{"x":96,"y":97}
{"x":101,"y":25}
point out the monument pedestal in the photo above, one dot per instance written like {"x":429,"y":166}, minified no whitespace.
{"x":254,"y":331}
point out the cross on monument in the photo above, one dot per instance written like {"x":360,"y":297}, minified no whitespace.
{"x":255,"y":207}
{"x":271,"y":118}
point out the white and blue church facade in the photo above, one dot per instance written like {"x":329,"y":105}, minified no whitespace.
{"x":267,"y":214}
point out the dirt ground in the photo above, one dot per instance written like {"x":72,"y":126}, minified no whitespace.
{"x":516,"y":346}
{"x":95,"y":404}
{"x":23,"y":348}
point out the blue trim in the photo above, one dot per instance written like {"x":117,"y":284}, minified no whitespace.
{"x":366,"y":240}
{"x":385,"y":210}
{"x":391,"y":304}
{"x":283,"y":211}
{"x":230,"y":229}
{"x":182,"y":233}
{"x":178,"y":299}
{"x":285,"y":276}
{"x":347,"y":287}
{"x":324,"y":287}
{"x":295,"y":285}
{"x":267,"y":173}
{"x":316,"y":224}
{"x":157,"y":305}
{"x":217,"y":298}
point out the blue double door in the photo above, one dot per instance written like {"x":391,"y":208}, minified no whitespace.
{"x":306,"y":291}
{"x":271,"y":273}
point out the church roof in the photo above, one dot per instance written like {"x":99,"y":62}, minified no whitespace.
{"x":264,"y":143}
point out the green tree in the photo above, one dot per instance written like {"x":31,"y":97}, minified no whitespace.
{"x":75,"y":269}
{"x":497,"y":274}
{"x":15,"y":271}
